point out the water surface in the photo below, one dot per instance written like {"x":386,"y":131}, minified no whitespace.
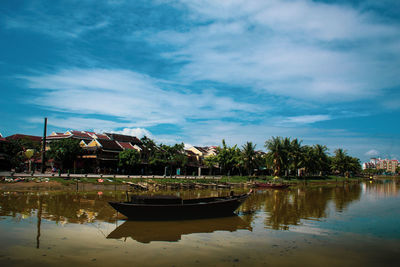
{"x":343,"y":225}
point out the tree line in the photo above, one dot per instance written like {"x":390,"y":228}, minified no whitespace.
{"x":283,"y":157}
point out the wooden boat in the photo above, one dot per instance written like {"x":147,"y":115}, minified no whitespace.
{"x":273,"y":186}
{"x":172,"y":231}
{"x":172,"y":207}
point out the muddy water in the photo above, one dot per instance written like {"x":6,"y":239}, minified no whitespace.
{"x":351,"y":225}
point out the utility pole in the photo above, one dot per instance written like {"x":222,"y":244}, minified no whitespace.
{"x":44,"y":146}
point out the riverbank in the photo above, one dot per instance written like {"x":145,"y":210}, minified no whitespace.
{"x":150,"y":183}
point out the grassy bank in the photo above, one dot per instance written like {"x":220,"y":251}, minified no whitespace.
{"x":224,"y":179}
{"x":204,"y":180}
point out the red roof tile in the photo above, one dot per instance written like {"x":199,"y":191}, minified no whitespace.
{"x":24,"y":136}
{"x":123,"y":138}
{"x":102,"y":136}
{"x":58,"y":136}
{"x":109,"y":145}
{"x":81,"y":134}
{"x":126,"y":145}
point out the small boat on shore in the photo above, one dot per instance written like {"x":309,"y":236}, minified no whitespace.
{"x":270,"y":185}
{"x":171,"y":207}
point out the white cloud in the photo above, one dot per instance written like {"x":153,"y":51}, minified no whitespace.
{"x":372,"y":152}
{"x":301,"y":49}
{"x":306,"y":119}
{"x":137,"y":99}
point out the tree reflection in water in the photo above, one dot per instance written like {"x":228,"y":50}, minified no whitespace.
{"x":282,"y":208}
{"x":288,"y":207}
{"x":61,"y":207}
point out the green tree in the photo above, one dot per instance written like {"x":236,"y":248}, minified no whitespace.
{"x":277,"y":154}
{"x":344,"y":164}
{"x":296,"y":155}
{"x":309,"y":160}
{"x":354,"y":165}
{"x":211,"y":162}
{"x":151,"y":154}
{"x":65,"y":151}
{"x":321,"y":158}
{"x":249,"y":157}
{"x":228,"y":158}
{"x":339,"y":161}
{"x":15,"y":151}
{"x":174,"y":156}
{"x":129,"y":159}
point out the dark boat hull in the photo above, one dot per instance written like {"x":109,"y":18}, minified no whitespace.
{"x":217,"y":208}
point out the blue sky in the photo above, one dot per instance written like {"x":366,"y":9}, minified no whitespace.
{"x":325,"y":72}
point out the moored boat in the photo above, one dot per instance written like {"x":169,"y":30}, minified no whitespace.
{"x":172,"y":207}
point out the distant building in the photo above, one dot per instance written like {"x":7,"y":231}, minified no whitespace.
{"x":368,"y":165}
{"x":100,"y":150}
{"x":203,"y":152}
{"x":387,"y":165}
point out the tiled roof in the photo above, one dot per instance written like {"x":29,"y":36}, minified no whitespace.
{"x":3,"y":139}
{"x":81,"y":134}
{"x":109,"y":145}
{"x":125,"y":145}
{"x":24,"y":136}
{"x":201,"y":149}
{"x":123,"y":138}
{"x":58,"y":136}
{"x":102,"y":136}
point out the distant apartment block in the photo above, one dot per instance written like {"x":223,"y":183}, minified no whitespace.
{"x":388,"y":165}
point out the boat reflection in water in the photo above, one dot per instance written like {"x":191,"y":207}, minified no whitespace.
{"x":172,"y":231}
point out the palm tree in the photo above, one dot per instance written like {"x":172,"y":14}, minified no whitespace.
{"x":339,"y":161}
{"x":296,"y":154}
{"x":321,"y":157}
{"x":249,"y":157}
{"x":277,"y":154}
{"x":287,"y":147}
{"x":308,"y":159}
{"x":228,"y":157}
{"x":211,"y":162}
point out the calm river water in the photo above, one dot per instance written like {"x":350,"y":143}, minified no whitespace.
{"x":350,"y":225}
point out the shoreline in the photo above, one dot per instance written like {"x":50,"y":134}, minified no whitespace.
{"x":144,"y":184}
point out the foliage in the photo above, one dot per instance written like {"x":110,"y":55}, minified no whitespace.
{"x":65,"y":151}
{"x":249,"y":157}
{"x":211,"y":162}
{"x":15,"y":150}
{"x":277,"y":154}
{"x":228,"y":158}
{"x":285,"y":155}
{"x":129,"y":159}
{"x":174,"y":156}
{"x":344,"y":164}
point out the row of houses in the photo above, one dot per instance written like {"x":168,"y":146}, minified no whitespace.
{"x":386,"y":165}
{"x":100,"y":150}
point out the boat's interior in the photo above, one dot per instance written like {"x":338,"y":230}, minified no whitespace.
{"x":160,"y":199}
